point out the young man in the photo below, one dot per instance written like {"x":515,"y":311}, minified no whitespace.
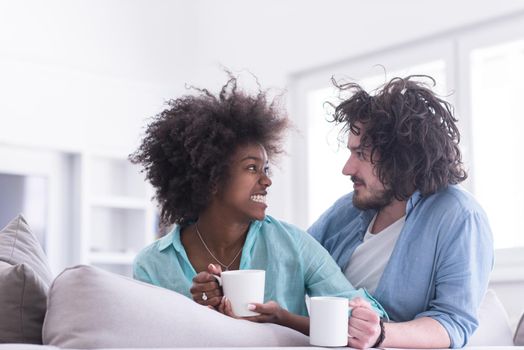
{"x":408,"y":233}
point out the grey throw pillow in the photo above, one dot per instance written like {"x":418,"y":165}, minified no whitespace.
{"x":92,"y":308}
{"x":518,"y":339}
{"x":25,"y":278}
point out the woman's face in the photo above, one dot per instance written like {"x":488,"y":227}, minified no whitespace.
{"x":244,"y":192}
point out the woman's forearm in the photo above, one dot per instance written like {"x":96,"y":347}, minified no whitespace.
{"x":296,"y":322}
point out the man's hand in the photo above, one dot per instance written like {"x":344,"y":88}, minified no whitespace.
{"x":364,"y":324}
{"x":204,"y":282}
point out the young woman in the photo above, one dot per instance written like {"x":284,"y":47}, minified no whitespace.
{"x":208,"y":159}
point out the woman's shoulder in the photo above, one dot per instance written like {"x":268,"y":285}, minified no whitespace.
{"x":279,"y":230}
{"x":153,"y":251}
{"x":271,"y":223}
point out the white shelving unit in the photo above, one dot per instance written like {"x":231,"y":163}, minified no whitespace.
{"x":117,"y":215}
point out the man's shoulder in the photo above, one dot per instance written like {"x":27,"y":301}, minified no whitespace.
{"x":453,"y":198}
{"x":342,"y":218}
{"x":344,"y":205}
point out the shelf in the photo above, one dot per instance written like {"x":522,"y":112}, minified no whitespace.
{"x":118,"y":215}
{"x":118,"y":202}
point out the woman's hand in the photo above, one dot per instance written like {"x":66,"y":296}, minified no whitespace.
{"x":270,"y":312}
{"x":205,"y":289}
{"x":364,"y":324}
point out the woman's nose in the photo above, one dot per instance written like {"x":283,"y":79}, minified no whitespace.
{"x":265,"y":180}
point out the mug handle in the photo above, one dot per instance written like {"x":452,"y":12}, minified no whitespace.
{"x":219,"y":279}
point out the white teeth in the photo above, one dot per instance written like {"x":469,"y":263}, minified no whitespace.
{"x":258,"y":198}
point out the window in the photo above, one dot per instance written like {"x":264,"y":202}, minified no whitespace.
{"x":26,"y":194}
{"x":480,"y":70}
{"x":497,"y":76}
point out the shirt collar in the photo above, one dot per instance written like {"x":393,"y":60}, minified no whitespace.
{"x":367,"y":215}
{"x":173,"y":237}
{"x":412,"y":202}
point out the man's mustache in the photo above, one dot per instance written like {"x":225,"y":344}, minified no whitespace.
{"x":357,"y":179}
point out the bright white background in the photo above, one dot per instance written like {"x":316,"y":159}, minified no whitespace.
{"x":82,"y":76}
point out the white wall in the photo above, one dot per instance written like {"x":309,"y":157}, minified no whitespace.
{"x":84,"y":74}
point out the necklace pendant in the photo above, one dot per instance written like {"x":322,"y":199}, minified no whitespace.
{"x":226,"y":268}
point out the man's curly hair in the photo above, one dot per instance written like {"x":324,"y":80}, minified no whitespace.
{"x":412,"y":131}
{"x":187,"y":148}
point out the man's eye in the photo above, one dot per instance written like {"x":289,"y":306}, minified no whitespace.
{"x":252,"y":168}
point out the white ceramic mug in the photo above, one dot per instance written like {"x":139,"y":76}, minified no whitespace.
{"x":243,"y":287}
{"x":328,"y":321}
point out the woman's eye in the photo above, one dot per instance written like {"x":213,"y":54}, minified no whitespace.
{"x":267,"y":170}
{"x":252,"y":168}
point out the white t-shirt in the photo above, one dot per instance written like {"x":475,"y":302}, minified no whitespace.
{"x":369,"y":259}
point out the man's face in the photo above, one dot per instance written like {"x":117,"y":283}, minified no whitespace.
{"x":369,"y":192}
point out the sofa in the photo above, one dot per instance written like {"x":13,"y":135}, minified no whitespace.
{"x":88,"y":308}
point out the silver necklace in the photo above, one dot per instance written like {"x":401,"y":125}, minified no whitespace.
{"x":225,"y":266}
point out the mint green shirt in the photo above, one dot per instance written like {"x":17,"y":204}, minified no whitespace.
{"x":295,"y":264}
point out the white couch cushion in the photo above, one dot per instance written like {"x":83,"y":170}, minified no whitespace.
{"x":494,"y":326}
{"x":92,"y":308}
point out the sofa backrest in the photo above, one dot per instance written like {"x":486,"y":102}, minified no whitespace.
{"x":494,"y":328}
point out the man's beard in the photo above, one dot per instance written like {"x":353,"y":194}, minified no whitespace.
{"x":377,"y":199}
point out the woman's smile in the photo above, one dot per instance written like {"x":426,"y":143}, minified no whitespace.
{"x":259,"y":198}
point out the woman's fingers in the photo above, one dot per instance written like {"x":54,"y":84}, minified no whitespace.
{"x":214,"y":269}
{"x":205,"y":290}
{"x":203,"y":277}
{"x":228,"y":308}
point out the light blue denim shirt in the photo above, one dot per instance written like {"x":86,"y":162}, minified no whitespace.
{"x":295,"y":265}
{"x":440,"y":265}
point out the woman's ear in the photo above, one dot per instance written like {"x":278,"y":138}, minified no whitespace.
{"x":214,"y":189}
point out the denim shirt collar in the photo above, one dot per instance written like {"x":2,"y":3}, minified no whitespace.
{"x":367,"y":215}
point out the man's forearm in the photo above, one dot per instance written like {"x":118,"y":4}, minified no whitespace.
{"x":421,"y":333}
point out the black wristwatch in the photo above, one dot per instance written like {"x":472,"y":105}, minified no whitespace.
{"x":382,"y":335}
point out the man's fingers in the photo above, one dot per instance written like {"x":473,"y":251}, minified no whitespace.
{"x":365,"y":314}
{"x":359,"y":328}
{"x":364,"y":328}
{"x":356,"y":343}
{"x":359,"y":302}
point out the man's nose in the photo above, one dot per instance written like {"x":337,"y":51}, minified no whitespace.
{"x":349,"y":167}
